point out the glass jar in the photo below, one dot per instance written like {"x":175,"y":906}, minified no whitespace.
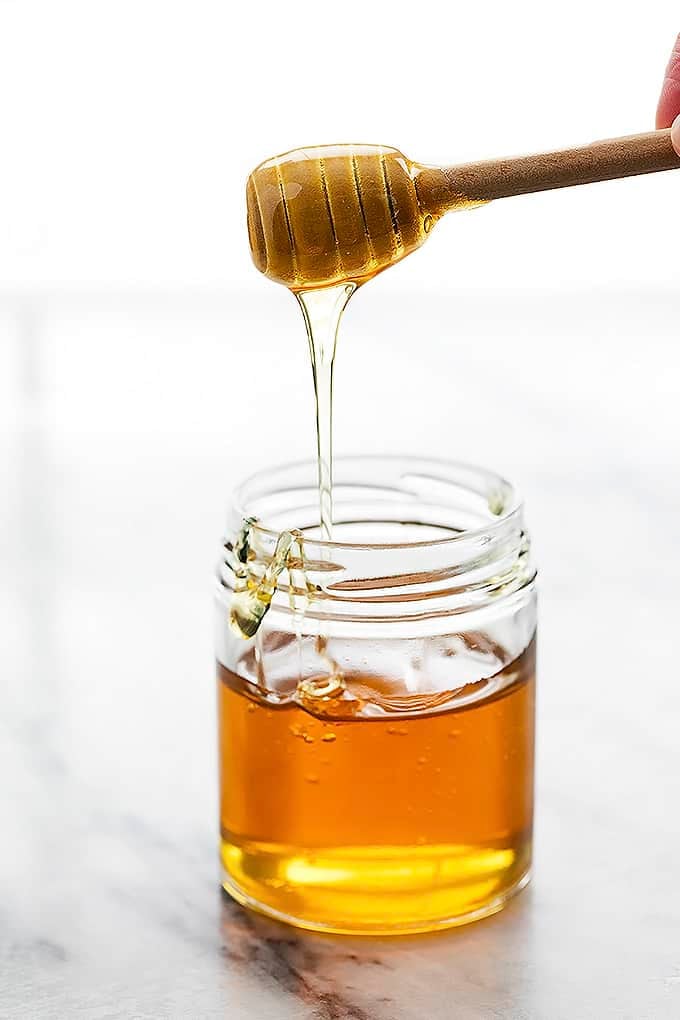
{"x":376,"y":696}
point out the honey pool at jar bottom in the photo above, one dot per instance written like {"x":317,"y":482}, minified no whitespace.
{"x":381,"y":825}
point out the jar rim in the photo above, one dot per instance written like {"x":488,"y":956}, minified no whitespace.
{"x":503,"y":501}
{"x":272,"y":555}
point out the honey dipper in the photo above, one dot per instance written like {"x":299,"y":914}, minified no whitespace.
{"x":332,"y":214}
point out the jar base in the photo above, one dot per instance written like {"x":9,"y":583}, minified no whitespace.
{"x":375,"y":891}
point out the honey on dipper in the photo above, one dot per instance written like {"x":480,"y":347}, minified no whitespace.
{"x":322,"y":216}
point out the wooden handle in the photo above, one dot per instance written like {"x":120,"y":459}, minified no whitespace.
{"x":441,"y":189}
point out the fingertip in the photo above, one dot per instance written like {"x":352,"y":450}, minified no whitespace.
{"x":675,"y":135}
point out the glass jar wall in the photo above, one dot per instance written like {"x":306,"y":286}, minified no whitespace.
{"x":376,"y":696}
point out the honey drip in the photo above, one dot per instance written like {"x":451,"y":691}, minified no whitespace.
{"x":253,"y":592}
{"x":322,"y":310}
{"x":255,"y":585}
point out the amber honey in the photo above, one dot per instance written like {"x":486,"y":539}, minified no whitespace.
{"x":332,"y":214}
{"x":406,"y":822}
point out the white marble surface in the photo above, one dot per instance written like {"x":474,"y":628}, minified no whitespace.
{"x":118,"y":448}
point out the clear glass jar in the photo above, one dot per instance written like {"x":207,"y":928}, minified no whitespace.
{"x":376,"y":696}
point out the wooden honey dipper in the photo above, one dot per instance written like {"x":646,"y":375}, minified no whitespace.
{"x":332,"y":214}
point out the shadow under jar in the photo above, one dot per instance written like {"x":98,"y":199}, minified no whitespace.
{"x":376,"y":730}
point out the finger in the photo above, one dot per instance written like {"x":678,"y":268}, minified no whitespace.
{"x":669,"y":103}
{"x":675,"y":135}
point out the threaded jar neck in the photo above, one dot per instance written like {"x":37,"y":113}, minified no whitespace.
{"x":413,"y":538}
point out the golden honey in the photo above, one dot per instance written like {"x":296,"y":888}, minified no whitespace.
{"x":332,"y":214}
{"x":392,"y":824}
